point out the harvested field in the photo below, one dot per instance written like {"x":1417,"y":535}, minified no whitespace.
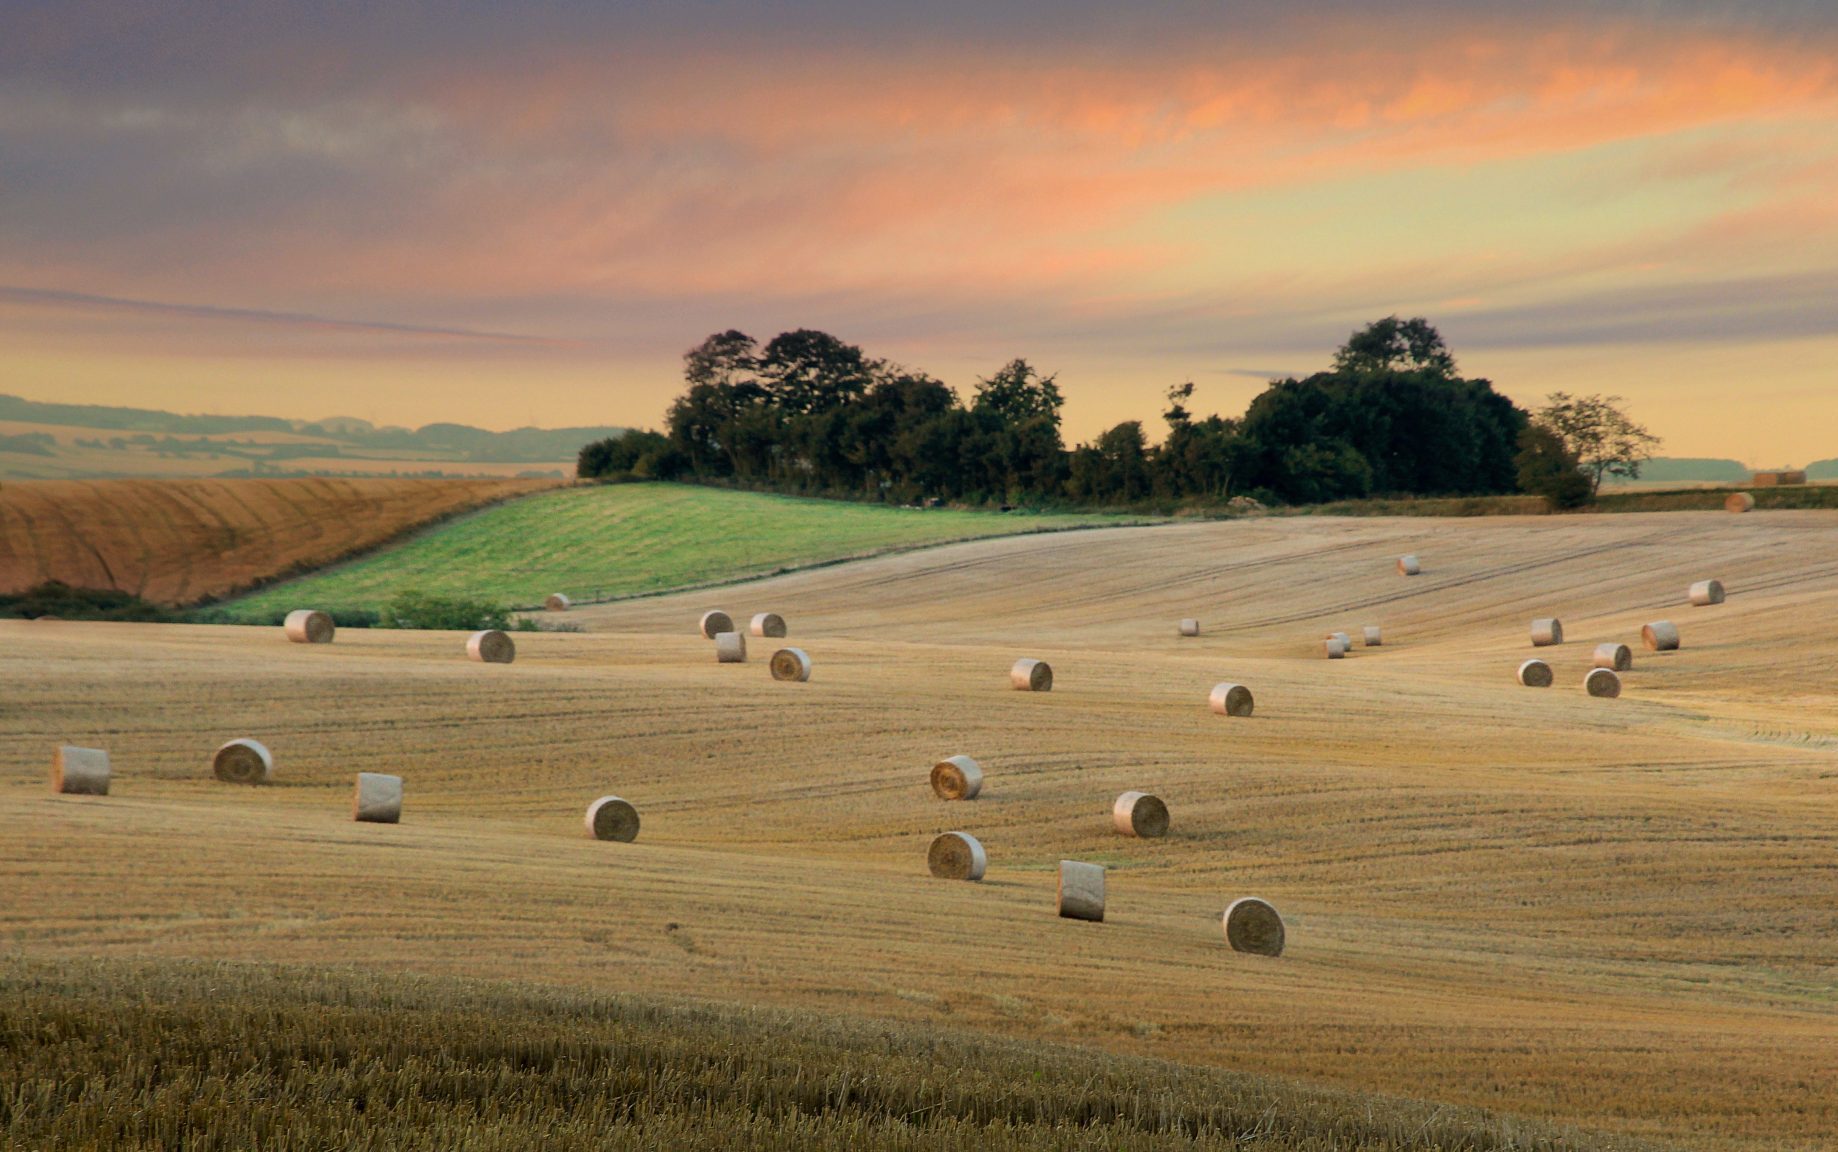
{"x":1619,"y":915}
{"x":181,"y":541}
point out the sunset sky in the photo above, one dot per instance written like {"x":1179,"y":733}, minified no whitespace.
{"x":517,"y":214}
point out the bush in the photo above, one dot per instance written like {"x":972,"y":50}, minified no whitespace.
{"x":56,"y":598}
{"x":448,"y":613}
{"x":1548,"y":469}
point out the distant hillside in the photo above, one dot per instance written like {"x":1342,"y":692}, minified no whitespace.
{"x":1693,"y":469}
{"x":1822,"y":470}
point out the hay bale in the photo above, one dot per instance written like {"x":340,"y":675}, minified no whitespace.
{"x":1336,"y":649}
{"x":1705,"y":593}
{"x":305,"y":626}
{"x":1739,"y":502}
{"x":378,"y":799}
{"x":79,"y":771}
{"x":1409,"y":565}
{"x":1190,"y":627}
{"x":1140,"y":814}
{"x":767,"y":624}
{"x":491,"y":647}
{"x":1346,"y":641}
{"x":558,"y":602}
{"x":730,"y":648}
{"x":1373,"y":638}
{"x":1252,"y":925}
{"x":1231,"y":699}
{"x":1777,"y":479}
{"x":1660,"y":636}
{"x":1081,"y":890}
{"x":610,"y":818}
{"x":1602,"y":682}
{"x":957,"y":778}
{"x":1031,"y":675}
{"x":1546,"y":631}
{"x":956,"y":856}
{"x":243,"y":761}
{"x":791,"y":664}
{"x":1535,"y":674}
{"x":1614,"y":657}
{"x":714,"y":624}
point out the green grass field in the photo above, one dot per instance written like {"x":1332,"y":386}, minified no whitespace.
{"x":605,"y":542}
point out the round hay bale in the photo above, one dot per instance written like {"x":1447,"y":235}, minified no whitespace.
{"x":1614,"y":657}
{"x":491,"y":647}
{"x":243,"y":761}
{"x":1660,"y":636}
{"x":1231,"y":700}
{"x":1373,"y":637}
{"x":1190,"y":627}
{"x":730,"y":648}
{"x":1346,"y":641}
{"x":1602,"y":682}
{"x":1409,"y":565}
{"x":1546,"y":631}
{"x":714,"y":624}
{"x":1031,"y":675}
{"x":956,"y":856}
{"x":1253,"y":925}
{"x":791,"y":664}
{"x":1081,"y":890}
{"x":1739,"y":502}
{"x":305,"y":626}
{"x":1335,"y":648}
{"x":1140,"y":814}
{"x":1535,"y":674}
{"x":378,"y":799}
{"x":610,"y":818}
{"x":957,"y":778}
{"x":79,"y":771}
{"x":767,"y":624}
{"x":1705,"y":593}
{"x":558,"y":602}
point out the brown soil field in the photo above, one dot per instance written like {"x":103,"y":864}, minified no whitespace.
{"x":180,"y":541}
{"x":1619,"y":914}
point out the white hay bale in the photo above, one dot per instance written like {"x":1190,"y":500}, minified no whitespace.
{"x":791,"y":664}
{"x":730,"y":648}
{"x":957,"y":778}
{"x":1705,"y":593}
{"x":1409,"y":565}
{"x":558,"y":602}
{"x":305,"y":626}
{"x":1346,"y":641}
{"x":714,"y":624}
{"x":1335,"y":648}
{"x":1031,"y":675}
{"x":378,"y":799}
{"x":1373,"y":637}
{"x":243,"y":761}
{"x":79,"y":771}
{"x":956,"y":856}
{"x":610,"y":818}
{"x":1739,"y":502}
{"x":491,"y":647}
{"x":1614,"y":657}
{"x":1602,"y":682}
{"x":1230,"y":699}
{"x":1535,"y":674}
{"x":1190,"y":627}
{"x":767,"y":624}
{"x":1081,"y":890}
{"x":1660,"y":636}
{"x":1253,"y":925}
{"x":1140,"y":814}
{"x":1546,"y":631}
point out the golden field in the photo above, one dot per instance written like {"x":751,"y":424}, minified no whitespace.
{"x":1618,"y":914}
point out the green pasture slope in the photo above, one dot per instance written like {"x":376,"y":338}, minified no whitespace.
{"x":596,"y":543}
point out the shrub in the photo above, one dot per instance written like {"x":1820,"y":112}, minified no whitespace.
{"x":450,"y":613}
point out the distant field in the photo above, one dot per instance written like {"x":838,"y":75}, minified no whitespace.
{"x":605,"y":542}
{"x":178,"y":541}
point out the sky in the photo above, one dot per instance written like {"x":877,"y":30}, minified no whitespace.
{"x":525,"y":214}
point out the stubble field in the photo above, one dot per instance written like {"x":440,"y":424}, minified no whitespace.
{"x":1619,"y":914}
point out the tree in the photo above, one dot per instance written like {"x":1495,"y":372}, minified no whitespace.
{"x":1595,"y":432}
{"x":724,"y":358}
{"x":1547,"y":469}
{"x":1394,"y":345}
{"x":812,"y":371}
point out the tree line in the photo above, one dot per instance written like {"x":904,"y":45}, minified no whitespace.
{"x":811,"y":414}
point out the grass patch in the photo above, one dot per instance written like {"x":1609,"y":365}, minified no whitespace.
{"x":141,"y":1055}
{"x":599,"y":543}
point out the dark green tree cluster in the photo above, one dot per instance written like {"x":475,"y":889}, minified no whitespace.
{"x":809,"y":413}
